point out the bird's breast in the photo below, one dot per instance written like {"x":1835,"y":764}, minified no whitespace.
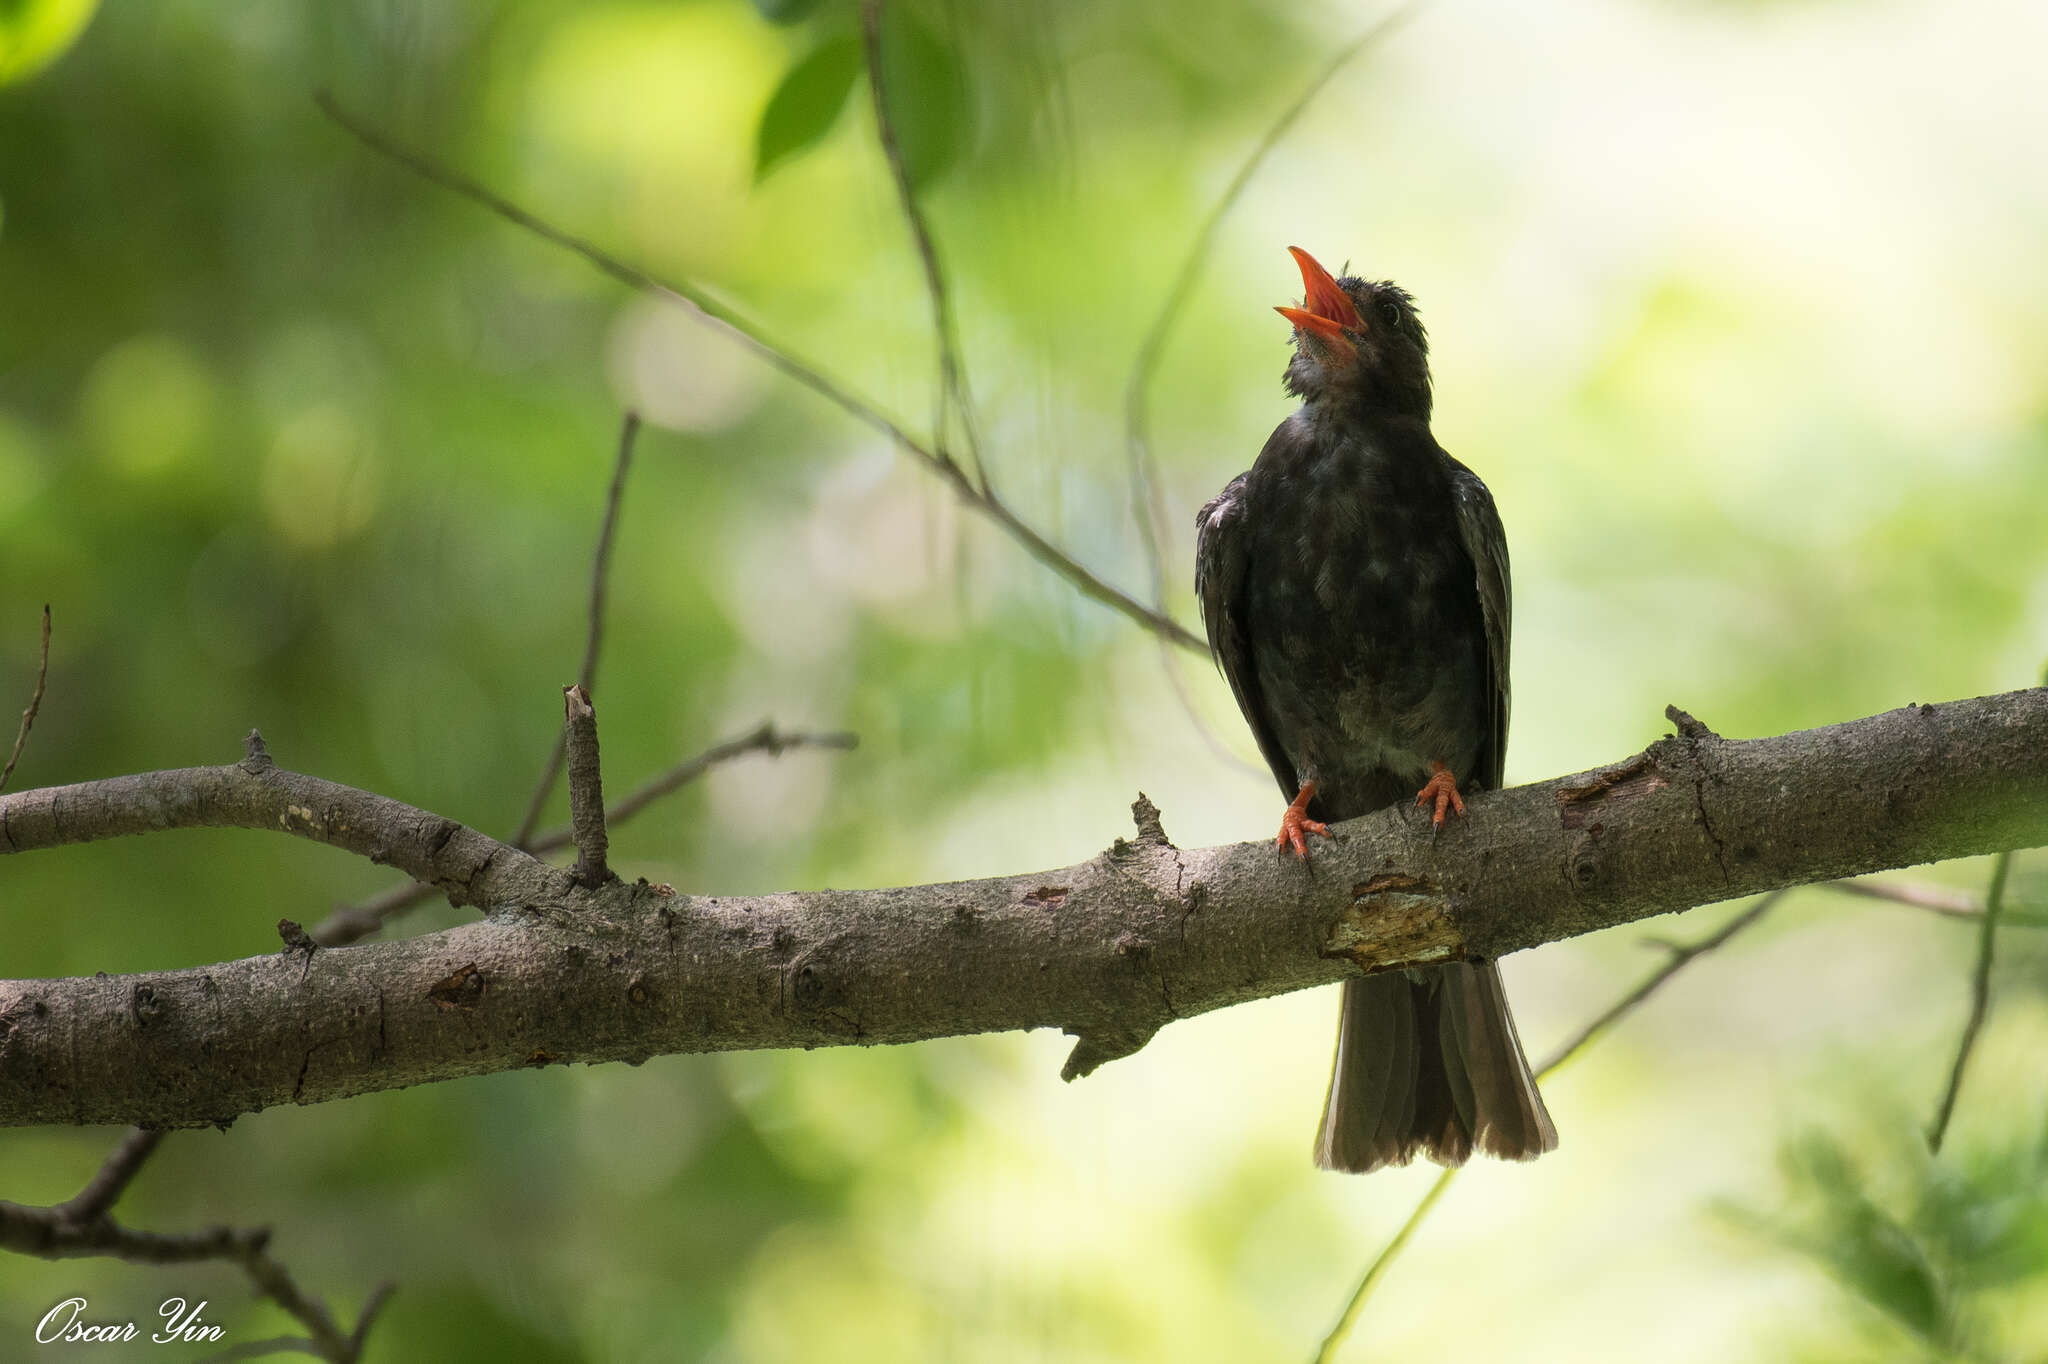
{"x":1364,"y":620}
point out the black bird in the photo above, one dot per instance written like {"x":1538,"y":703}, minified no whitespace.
{"x":1355,"y":586}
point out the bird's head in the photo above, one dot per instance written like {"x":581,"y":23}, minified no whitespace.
{"x":1357,"y":344}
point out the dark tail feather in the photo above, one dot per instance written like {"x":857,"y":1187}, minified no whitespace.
{"x":1428,"y":1063}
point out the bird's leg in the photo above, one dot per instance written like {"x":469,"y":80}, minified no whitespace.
{"x":1295,"y":823}
{"x":1442,"y":788}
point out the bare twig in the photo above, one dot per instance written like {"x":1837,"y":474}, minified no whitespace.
{"x":953,"y":384}
{"x":593,"y":638}
{"x":586,"y":787}
{"x":1137,"y":443}
{"x":105,"y":1188}
{"x":1980,"y":1000}
{"x":1949,"y":904}
{"x":83,"y":1227}
{"x":350,"y":923}
{"x":1953,"y":904}
{"x":729,"y":321}
{"x":1146,"y":505}
{"x":35,"y":703}
{"x":767,"y":739}
{"x":1682,"y":955}
{"x":1381,"y":1263}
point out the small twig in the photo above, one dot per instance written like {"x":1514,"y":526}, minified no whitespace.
{"x":263,"y":1349}
{"x":351,"y":923}
{"x":1949,"y":904}
{"x":105,"y":1188}
{"x":953,"y":384}
{"x":1681,"y":956}
{"x":379,"y":1296}
{"x":81,"y":1228}
{"x":767,"y":739}
{"x":35,"y":703}
{"x":1137,"y":444}
{"x":586,"y":787}
{"x":1144,"y":472}
{"x":593,"y":638}
{"x":1381,"y":1263}
{"x":729,"y":321}
{"x":1980,"y":1000}
{"x":1954,"y":904}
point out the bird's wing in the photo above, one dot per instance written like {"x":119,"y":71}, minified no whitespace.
{"x":1480,"y":529}
{"x":1222,"y":567}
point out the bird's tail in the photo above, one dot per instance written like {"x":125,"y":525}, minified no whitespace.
{"x":1428,"y":1063}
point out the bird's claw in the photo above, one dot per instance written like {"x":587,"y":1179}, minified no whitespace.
{"x":1294,"y":828}
{"x":1442,"y":789}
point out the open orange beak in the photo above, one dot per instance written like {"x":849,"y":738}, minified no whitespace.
{"x":1327,"y":310}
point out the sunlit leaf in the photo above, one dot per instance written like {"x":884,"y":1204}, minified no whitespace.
{"x":34,"y":33}
{"x":807,"y":103}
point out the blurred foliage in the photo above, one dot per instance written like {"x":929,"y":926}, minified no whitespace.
{"x":1741,"y":314}
{"x":1943,"y":1259}
{"x":34,"y":33}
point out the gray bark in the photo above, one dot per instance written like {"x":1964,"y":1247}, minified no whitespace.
{"x":1109,"y":949}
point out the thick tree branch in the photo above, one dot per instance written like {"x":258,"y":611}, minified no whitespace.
{"x":1109,"y":950}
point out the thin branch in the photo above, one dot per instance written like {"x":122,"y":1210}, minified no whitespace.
{"x":35,"y":703}
{"x":593,"y":639}
{"x":1682,"y":955}
{"x":1144,"y":472}
{"x":60,"y":1233}
{"x":1953,"y":904}
{"x":1980,"y":1000}
{"x":1381,"y":1263}
{"x":728,"y":320}
{"x":105,"y":1188}
{"x":1108,"y":950}
{"x":586,"y":788}
{"x":351,"y":923}
{"x":1137,"y":443}
{"x":952,"y":370}
{"x":264,"y":1349}
{"x":767,"y":739}
{"x":1949,"y":904}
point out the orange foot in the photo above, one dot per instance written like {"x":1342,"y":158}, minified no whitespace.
{"x":1295,"y":824}
{"x":1442,"y":788}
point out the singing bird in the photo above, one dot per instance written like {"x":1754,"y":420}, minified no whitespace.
{"x":1354,"y":583}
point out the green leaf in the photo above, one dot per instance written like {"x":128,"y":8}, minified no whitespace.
{"x":34,"y":33}
{"x":807,"y":103}
{"x":786,"y":11}
{"x":926,"y":92}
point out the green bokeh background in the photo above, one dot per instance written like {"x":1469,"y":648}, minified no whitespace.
{"x":1740,"y":309}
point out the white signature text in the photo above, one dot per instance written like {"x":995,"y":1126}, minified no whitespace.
{"x":64,"y":1324}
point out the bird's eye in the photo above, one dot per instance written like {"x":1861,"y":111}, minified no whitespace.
{"x":1392,"y":312}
